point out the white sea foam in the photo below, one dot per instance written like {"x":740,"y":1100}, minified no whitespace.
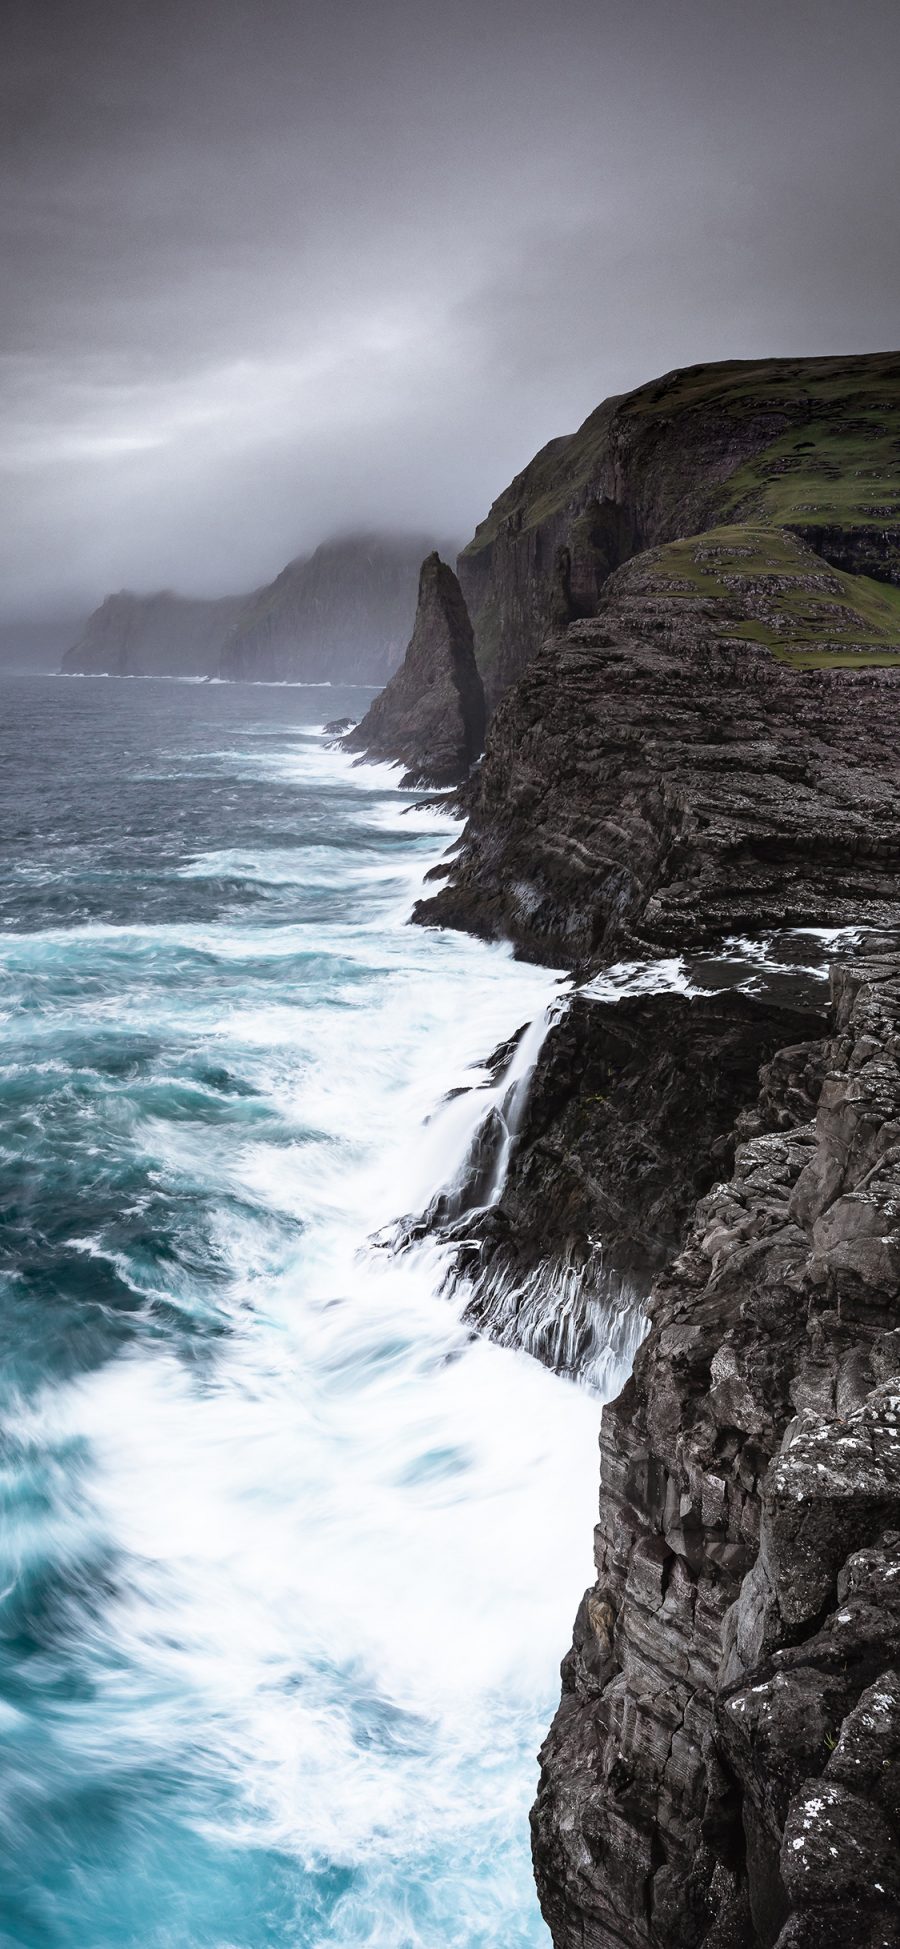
{"x":349,"y":1546}
{"x":666,"y":976}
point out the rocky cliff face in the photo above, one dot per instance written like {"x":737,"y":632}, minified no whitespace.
{"x":808,"y":445}
{"x":153,"y":636}
{"x":599,"y":1182}
{"x":431,"y":716}
{"x":713,"y":754}
{"x":343,"y":614}
{"x":724,"y":1768}
{"x":716,"y":751}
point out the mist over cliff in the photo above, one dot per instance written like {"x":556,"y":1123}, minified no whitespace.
{"x":273,"y":272}
{"x":343,"y":614}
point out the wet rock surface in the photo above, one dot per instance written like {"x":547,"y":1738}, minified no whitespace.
{"x":431,"y":716}
{"x":659,"y":775}
{"x":724,"y":1767}
{"x":629,"y":1118}
{"x":687,"y":620}
{"x":579,"y":1183}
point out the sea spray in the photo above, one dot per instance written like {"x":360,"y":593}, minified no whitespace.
{"x":288,"y":1552}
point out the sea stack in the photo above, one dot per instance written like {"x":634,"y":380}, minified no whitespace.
{"x":431,"y":716}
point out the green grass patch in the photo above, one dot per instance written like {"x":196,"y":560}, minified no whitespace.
{"x":772,"y":590}
{"x":837,"y":463}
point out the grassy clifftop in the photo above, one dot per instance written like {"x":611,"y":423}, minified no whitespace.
{"x":765,"y":586}
{"x":828,"y":433}
{"x":808,"y":445}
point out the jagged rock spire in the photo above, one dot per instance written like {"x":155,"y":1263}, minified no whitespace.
{"x":431,"y":716}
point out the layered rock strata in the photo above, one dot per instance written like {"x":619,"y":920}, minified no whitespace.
{"x":716,"y":751}
{"x":805,"y":444}
{"x":431,"y":716}
{"x":593,"y":1176}
{"x":724,"y":1768}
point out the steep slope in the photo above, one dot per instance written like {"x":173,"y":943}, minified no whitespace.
{"x":717,"y":750}
{"x":593,"y":1181}
{"x":345,"y":613}
{"x":811,"y":445}
{"x":724,"y":1768}
{"x":706,"y":746}
{"x":431,"y":715}
{"x":158,"y":635}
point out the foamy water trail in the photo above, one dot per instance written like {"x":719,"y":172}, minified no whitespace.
{"x":289,"y":1557}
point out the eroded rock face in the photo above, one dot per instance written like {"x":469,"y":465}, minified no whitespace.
{"x":661,"y":774}
{"x":431,"y":715}
{"x":708,"y":443}
{"x":724,"y":1767}
{"x":630,"y":1117}
{"x":626,"y":1119}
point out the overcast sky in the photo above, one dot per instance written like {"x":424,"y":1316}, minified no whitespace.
{"x":273,"y":268}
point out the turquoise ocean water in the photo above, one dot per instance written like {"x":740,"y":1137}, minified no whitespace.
{"x":289,"y":1560}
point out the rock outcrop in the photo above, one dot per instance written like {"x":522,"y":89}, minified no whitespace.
{"x":690,"y":615}
{"x":431,"y":716}
{"x":724,"y":1768}
{"x":578,"y":1183}
{"x":342,"y":615}
{"x":716,"y":751}
{"x":600,"y":1181}
{"x":161,"y":635}
{"x":804,"y":444}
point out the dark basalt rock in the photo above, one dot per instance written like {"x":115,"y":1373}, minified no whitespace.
{"x":628,"y":1118}
{"x":672,"y":771}
{"x":706,"y":745}
{"x":724,"y":1767}
{"x":760,"y":440}
{"x":431,"y":716}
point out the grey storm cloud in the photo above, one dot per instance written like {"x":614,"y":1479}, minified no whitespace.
{"x":272,"y":270}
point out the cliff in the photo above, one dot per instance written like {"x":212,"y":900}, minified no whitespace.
{"x":343,"y":614}
{"x":724,"y":1768}
{"x":809,"y":445}
{"x":596,"y":1182}
{"x":431,"y":716}
{"x":715,"y":751}
{"x":679,"y":782}
{"x":153,"y":636}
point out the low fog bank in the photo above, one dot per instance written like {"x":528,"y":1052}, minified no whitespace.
{"x":276,"y":271}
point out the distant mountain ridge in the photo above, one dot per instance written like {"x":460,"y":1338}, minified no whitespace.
{"x":342,"y":614}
